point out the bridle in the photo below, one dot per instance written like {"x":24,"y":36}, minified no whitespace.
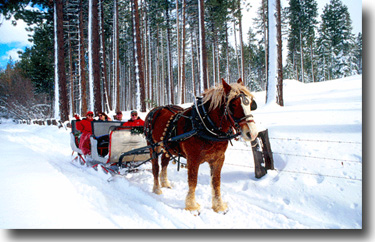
{"x":248,"y":118}
{"x":214,"y":132}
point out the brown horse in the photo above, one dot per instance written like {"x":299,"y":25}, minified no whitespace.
{"x":200,"y":134}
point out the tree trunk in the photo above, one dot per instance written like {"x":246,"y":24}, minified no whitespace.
{"x":157,"y":70}
{"x":183,"y":82}
{"x":151,"y":89}
{"x":312,"y":62}
{"x":227,"y":51}
{"x":272,"y":72}
{"x":235,"y":48}
{"x":179,"y":87}
{"x":214,"y":51}
{"x":116,"y":42}
{"x":301,"y":51}
{"x":170,"y":64}
{"x":241,"y":43}
{"x":82,"y":62}
{"x":193,"y":64}
{"x":265,"y":36}
{"x":94,"y":70}
{"x":103,"y":62}
{"x":140,"y":76}
{"x":280,"y":99}
{"x":61,"y":102}
{"x":145,"y":50}
{"x":162,"y":79}
{"x":202,"y":45}
{"x":71,"y":78}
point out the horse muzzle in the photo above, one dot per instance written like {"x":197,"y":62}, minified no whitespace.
{"x":249,"y":130}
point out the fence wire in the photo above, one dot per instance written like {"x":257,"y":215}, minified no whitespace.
{"x":313,"y":157}
{"x":323,"y":141}
{"x":303,"y":172}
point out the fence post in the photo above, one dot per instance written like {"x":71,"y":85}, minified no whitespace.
{"x":263,"y":159}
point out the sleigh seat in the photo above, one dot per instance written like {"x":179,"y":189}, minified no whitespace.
{"x":100,"y":139}
{"x":125,"y":139}
{"x":74,"y":138}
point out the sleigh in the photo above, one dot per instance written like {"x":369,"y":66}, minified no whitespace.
{"x":113,"y":146}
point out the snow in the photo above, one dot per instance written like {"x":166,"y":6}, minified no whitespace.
{"x":316,"y":184}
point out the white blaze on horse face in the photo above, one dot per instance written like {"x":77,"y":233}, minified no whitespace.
{"x":251,"y":133}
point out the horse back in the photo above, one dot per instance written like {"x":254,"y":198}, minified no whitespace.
{"x":156,"y":121}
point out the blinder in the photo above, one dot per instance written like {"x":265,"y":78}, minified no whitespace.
{"x":253,"y":105}
{"x":245,"y":101}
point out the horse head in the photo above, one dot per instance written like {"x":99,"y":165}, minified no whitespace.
{"x":240,"y":103}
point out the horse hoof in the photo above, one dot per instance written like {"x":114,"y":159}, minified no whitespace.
{"x":165,"y":183}
{"x":222,"y":208}
{"x":195,"y":213}
{"x":167,"y":186}
{"x":223,"y":212}
{"x":157,"y":191}
{"x":195,"y":207}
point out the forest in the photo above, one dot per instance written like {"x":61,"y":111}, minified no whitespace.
{"x":107,"y":55}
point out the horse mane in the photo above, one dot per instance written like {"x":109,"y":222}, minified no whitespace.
{"x":215,"y":94}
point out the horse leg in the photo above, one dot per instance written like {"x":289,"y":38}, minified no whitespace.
{"x":217,"y":204}
{"x":190,"y":203}
{"x":163,"y":174}
{"x":155,"y":171}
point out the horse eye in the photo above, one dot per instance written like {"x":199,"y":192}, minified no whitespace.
{"x":245,"y":101}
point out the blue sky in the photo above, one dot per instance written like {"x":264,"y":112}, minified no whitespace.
{"x":10,"y":49}
{"x":14,"y":38}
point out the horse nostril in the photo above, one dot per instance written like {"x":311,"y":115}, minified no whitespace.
{"x":248,"y":134}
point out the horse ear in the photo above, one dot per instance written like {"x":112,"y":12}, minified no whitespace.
{"x":226,"y":86}
{"x":239,"y":81}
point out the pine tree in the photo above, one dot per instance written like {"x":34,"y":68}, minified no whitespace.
{"x":302,"y":16}
{"x":336,"y":40}
{"x":261,"y":24}
{"x":37,"y":61}
{"x":255,"y":56}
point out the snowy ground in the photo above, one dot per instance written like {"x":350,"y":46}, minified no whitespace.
{"x":317,"y":143}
